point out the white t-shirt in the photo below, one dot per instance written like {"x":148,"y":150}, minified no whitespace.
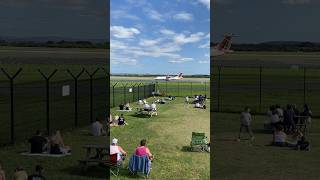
{"x":274,"y":118}
{"x":153,"y":106}
{"x":280,"y":137}
{"x":146,"y":106}
{"x":245,"y":118}
{"x":280,"y":112}
{"x":96,"y":128}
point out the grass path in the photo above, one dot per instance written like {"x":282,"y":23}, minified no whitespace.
{"x":56,"y":168}
{"x":242,"y":160}
{"x":167,"y":135}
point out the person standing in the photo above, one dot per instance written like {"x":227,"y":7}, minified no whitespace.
{"x":245,"y":122}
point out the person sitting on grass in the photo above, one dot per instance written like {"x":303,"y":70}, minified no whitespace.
{"x":20,"y":174}
{"x":57,"y":145}
{"x":38,"y":174}
{"x":292,"y":141}
{"x":146,"y":107}
{"x":245,"y":121}
{"x":2,"y":173}
{"x":115,"y":149}
{"x":121,"y":120}
{"x":279,"y":137}
{"x":303,"y":144}
{"x":187,"y":100}
{"x":97,"y":128}
{"x":121,"y":106}
{"x":127,"y":106}
{"x":37,"y":142}
{"x":143,"y":150}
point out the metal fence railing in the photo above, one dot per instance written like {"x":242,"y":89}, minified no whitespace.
{"x":126,"y":91}
{"x":129,"y":92}
{"x":260,"y":87}
{"x":48,"y":100}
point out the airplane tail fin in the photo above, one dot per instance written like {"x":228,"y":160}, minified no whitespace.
{"x":180,"y":75}
{"x":225,"y":43}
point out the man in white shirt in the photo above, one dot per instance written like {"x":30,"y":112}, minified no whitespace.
{"x":245,"y":121}
{"x":146,"y":107}
{"x":97,"y":128}
{"x":154,"y":109}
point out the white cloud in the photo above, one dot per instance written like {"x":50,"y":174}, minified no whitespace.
{"x":184,"y":16}
{"x":180,"y":60}
{"x":183,"y":39}
{"x":167,"y":32}
{"x":153,"y":14}
{"x":206,"y":3}
{"x":205,"y":45}
{"x":117,"y":14}
{"x":123,"y":32}
{"x":296,"y":2}
{"x":204,"y":62}
{"x":149,"y":42}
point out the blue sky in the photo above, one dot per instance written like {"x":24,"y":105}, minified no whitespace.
{"x":160,"y":36}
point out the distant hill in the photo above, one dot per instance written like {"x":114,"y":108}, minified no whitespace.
{"x":285,"y":46}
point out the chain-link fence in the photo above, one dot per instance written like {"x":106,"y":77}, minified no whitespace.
{"x":126,"y":91}
{"x":46,"y":101}
{"x":260,"y":87}
{"x":121,"y":92}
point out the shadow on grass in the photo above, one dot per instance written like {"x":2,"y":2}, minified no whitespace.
{"x":91,"y":172}
{"x":124,"y":172}
{"x":262,"y":131}
{"x":140,"y":115}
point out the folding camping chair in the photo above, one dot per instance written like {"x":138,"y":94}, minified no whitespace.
{"x":198,"y":142}
{"x":114,"y":164}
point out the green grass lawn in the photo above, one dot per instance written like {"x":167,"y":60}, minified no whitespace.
{"x":242,"y":160}
{"x":167,"y":134}
{"x":56,"y":168}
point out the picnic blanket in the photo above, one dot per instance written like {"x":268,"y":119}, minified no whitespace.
{"x":124,"y":110}
{"x":44,"y":154}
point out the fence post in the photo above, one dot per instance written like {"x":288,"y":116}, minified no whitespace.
{"x":191,"y":88}
{"x":304,"y":85}
{"x":133,"y":91}
{"x":91,"y":92}
{"x":75,"y":77}
{"x":205,"y":88}
{"x":144,"y":91}
{"x":166,"y":87}
{"x":219,"y":87}
{"x":11,"y":78}
{"x":47,"y":79}
{"x":260,"y":88}
{"x":178,"y":88}
{"x":124,"y":92}
{"x":113,"y":98}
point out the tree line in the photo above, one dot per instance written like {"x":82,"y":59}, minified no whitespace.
{"x":56,"y":44}
{"x":289,"y":46}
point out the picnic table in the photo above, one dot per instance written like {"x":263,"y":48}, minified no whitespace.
{"x":101,"y":151}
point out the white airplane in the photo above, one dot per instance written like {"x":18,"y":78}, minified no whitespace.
{"x":169,"y":78}
{"x":223,"y":47}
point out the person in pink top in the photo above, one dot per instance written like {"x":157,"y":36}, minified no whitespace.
{"x":115,"y":149}
{"x":143,"y":150}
